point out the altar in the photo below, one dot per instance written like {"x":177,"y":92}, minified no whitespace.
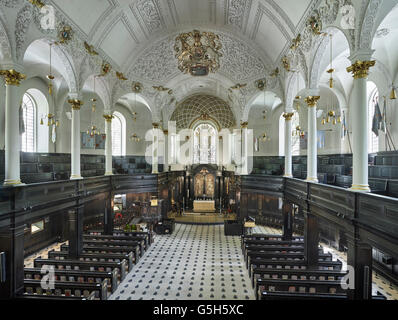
{"x":204,"y":206}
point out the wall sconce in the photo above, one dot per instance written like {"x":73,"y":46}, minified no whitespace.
{"x":51,"y":120}
{"x":135,"y":138}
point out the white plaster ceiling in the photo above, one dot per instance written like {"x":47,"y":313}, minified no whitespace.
{"x":128,"y":32}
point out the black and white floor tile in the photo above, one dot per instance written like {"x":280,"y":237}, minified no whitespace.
{"x":196,"y":262}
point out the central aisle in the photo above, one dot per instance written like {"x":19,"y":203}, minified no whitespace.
{"x":195,"y":262}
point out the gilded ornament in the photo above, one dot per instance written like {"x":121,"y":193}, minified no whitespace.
{"x":65,"y":34}
{"x":76,"y":104}
{"x":90,"y":49}
{"x":12,"y":77}
{"x":360,"y":69}
{"x":311,"y":101}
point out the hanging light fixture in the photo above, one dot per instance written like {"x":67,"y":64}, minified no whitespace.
{"x":50,"y":118}
{"x":298,"y":97}
{"x":331,"y":70}
{"x":93,"y":100}
{"x":393,"y":94}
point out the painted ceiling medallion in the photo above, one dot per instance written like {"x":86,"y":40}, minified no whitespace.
{"x":315,"y":24}
{"x":261,"y":84}
{"x":65,"y":34}
{"x":105,"y":68}
{"x":198,"y":52}
{"x":137,"y":87}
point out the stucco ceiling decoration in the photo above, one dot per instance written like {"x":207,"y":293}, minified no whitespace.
{"x":194,"y":107}
{"x":239,"y":62}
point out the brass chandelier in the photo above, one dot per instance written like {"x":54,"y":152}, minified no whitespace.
{"x":198,"y":52}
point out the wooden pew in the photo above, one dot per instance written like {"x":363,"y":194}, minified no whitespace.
{"x":76,"y":275}
{"x":104,"y":237}
{"x":274,"y":248}
{"x":281,"y":256}
{"x":303,"y":286}
{"x":110,"y":242}
{"x":292,"y":264}
{"x":66,"y":288}
{"x":296,"y":296}
{"x":110,"y":257}
{"x":147,"y":235}
{"x":106,"y":249}
{"x":267,"y":237}
{"x":294,"y":274}
{"x":272,"y":243}
{"x":55,"y":298}
{"x":101,"y":266}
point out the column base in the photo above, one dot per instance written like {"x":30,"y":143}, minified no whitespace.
{"x":287,"y":176}
{"x":76,"y":177}
{"x":360,"y":188}
{"x":108,"y":173}
{"x":312,"y":180}
{"x":13,"y":183}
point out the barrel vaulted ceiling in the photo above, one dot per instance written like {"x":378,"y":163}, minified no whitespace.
{"x":138,"y":36}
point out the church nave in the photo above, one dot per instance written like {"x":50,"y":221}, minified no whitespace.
{"x":195,"y":262}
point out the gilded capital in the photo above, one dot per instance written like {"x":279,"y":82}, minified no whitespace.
{"x":108,"y":117}
{"x":12,"y":77}
{"x":37,"y":3}
{"x":166,"y":132}
{"x":311,"y":101}
{"x":76,"y":104}
{"x":360,"y":69}
{"x":155,"y":125}
{"x":288,"y":116}
{"x":244,"y":124}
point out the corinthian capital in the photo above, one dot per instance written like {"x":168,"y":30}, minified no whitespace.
{"x":12,"y":77}
{"x":360,"y":69}
{"x":311,"y":101}
{"x":76,"y":104}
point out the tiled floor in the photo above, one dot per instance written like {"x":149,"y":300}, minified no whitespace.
{"x":195,"y":262}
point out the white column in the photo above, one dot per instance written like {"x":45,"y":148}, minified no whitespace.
{"x":108,"y":144}
{"x":288,"y":144}
{"x":312,"y":168}
{"x":75,"y":142}
{"x":359,"y":117}
{"x":155,"y":148}
{"x":12,"y":136}
{"x":166,"y":151}
{"x":244,"y":155}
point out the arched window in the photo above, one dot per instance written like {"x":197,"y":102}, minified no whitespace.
{"x":204,"y":144}
{"x":28,"y":137}
{"x":118,"y":134}
{"x":373,"y":100}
